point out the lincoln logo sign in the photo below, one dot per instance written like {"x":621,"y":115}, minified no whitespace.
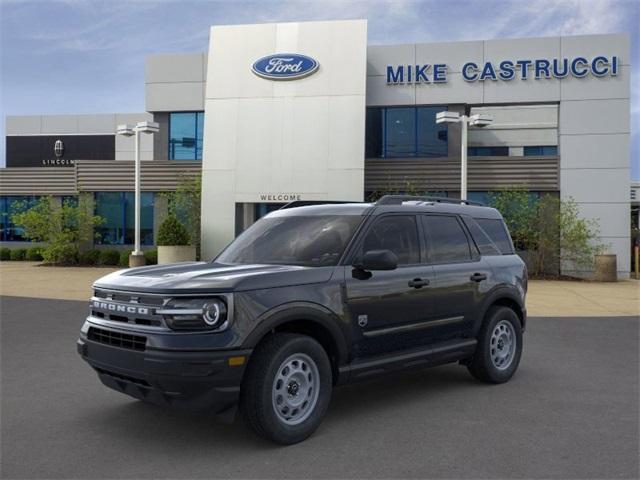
{"x":285,"y":66}
{"x":58,"y":148}
{"x":506,"y":70}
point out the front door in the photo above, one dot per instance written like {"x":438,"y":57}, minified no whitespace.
{"x":389,"y":309}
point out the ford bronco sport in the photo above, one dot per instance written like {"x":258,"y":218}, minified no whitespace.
{"x":310,"y":297}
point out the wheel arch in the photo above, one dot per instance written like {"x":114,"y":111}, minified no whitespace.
{"x":307,"y":319}
{"x":502,"y":297}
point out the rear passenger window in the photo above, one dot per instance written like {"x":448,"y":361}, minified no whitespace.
{"x":484,"y":243}
{"x":446,"y":240}
{"x":497,"y":232}
{"x":398,"y":233}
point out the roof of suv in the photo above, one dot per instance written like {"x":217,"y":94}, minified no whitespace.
{"x":393,"y":203}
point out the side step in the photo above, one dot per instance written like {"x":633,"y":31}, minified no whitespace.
{"x":447,"y":352}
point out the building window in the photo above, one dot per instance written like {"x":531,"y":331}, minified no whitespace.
{"x":185,"y":135}
{"x":488,"y":151}
{"x":541,"y":151}
{"x":117,"y":210}
{"x":9,"y":231}
{"x":393,"y":132}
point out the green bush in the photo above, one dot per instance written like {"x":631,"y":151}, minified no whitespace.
{"x":172,"y":232}
{"x":18,"y":254}
{"x":34,"y":254}
{"x":90,"y":257}
{"x":151,"y":257}
{"x":124,"y":258}
{"x":5,"y":253}
{"x":62,"y":227}
{"x":109,"y":257}
{"x":57,"y":254}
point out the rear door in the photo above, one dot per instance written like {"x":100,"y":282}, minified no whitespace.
{"x":460,"y":274}
{"x":389,"y":309}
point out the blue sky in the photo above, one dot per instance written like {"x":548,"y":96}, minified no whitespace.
{"x":75,"y":56}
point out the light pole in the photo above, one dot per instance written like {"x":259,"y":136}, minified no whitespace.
{"x":477,"y":120}
{"x":136,"y":258}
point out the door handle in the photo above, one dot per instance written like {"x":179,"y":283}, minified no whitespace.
{"x":478,"y":277}
{"x":418,"y":283}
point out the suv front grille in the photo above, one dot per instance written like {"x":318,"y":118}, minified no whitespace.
{"x":127,"y":308}
{"x":117,"y":339}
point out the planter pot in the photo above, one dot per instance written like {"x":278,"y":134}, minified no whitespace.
{"x":606,"y":268}
{"x":176,"y":253}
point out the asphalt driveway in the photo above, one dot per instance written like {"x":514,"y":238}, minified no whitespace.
{"x":570,"y":412}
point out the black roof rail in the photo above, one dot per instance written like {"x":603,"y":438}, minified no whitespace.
{"x":399,"y":199}
{"x":306,"y":203}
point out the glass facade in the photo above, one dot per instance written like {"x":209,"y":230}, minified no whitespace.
{"x":10,"y":232}
{"x":488,"y":151}
{"x":185,"y":135}
{"x":541,"y":151}
{"x":405,"y":132}
{"x":117,"y":209}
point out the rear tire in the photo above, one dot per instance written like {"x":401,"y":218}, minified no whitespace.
{"x":499,"y":346}
{"x":287,"y":388}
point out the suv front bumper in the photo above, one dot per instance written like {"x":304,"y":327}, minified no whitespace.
{"x":194,"y":380}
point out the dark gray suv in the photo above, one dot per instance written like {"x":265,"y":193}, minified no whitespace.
{"x":310,"y":297}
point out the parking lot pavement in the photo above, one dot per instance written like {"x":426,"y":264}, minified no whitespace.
{"x":570,"y":412}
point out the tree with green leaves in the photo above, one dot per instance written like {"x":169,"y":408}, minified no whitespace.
{"x":185,"y":204}
{"x":62,"y":227}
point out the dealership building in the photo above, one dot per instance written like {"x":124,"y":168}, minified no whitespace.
{"x":308,"y":111}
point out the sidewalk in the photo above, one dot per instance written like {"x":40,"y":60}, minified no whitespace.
{"x":546,"y":298}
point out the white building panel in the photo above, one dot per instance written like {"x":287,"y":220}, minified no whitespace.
{"x":595,"y":88}
{"x":174,"y":97}
{"x":521,"y":49}
{"x":595,"y":151}
{"x":455,"y":90}
{"x":594,"y":116}
{"x":23,"y":125}
{"x":282,"y":137}
{"x":453,"y":54}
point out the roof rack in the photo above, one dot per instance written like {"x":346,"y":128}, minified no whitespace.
{"x":306,"y":203}
{"x":399,"y":199}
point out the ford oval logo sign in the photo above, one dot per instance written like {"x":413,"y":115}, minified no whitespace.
{"x":285,"y":66}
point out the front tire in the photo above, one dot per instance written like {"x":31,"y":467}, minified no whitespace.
{"x":287,"y":387}
{"x":499,"y":346}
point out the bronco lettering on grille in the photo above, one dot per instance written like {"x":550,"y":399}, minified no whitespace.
{"x":117,"y":307}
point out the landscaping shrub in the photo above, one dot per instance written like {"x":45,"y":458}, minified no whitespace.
{"x":57,"y":254}
{"x":5,"y":253}
{"x":151,"y":257}
{"x":109,"y":257}
{"x":124,"y":258}
{"x":90,"y":257}
{"x":61,"y":227}
{"x":18,"y":254}
{"x":172,"y":232}
{"x":34,"y":254}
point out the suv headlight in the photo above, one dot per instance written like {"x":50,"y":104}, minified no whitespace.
{"x":195,"y":314}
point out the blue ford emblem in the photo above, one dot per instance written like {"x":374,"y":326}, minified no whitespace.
{"x":285,"y":66}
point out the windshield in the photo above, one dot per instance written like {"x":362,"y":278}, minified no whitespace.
{"x":314,"y":240}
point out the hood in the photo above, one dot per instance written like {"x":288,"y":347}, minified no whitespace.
{"x":201,"y":277}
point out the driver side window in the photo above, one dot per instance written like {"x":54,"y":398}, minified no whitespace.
{"x":398,"y":233}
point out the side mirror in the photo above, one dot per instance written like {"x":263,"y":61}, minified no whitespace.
{"x":378,"y":260}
